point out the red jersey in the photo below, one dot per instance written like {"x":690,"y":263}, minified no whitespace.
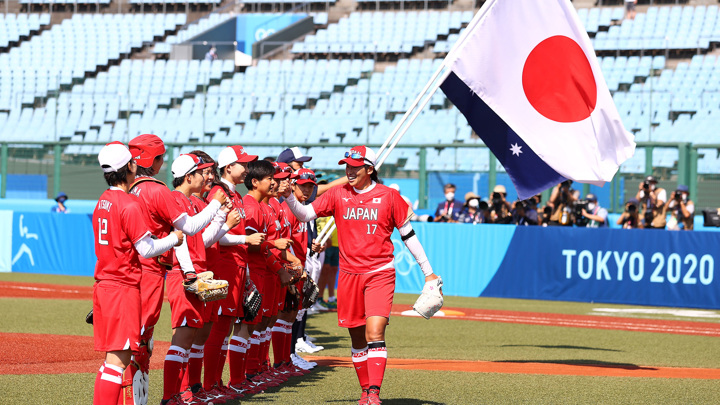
{"x":236,"y":253}
{"x":118,"y":224}
{"x":160,"y":212}
{"x":365,"y":222}
{"x":299,"y":235}
{"x":195,"y":244}
{"x":282,"y":213}
{"x":256,"y":221}
{"x":200,"y":205}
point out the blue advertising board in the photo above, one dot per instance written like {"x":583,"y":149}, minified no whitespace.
{"x":255,"y":27}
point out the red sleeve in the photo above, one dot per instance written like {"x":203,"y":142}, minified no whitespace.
{"x":324,"y":206}
{"x":167,"y":206}
{"x":254,"y":218}
{"x":132,"y":221}
{"x":399,"y":209}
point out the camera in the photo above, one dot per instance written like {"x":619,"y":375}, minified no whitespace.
{"x":677,"y":195}
{"x":578,"y":208}
{"x":566,"y":184}
{"x":631,"y":208}
{"x":483,"y":205}
{"x":496,"y":199}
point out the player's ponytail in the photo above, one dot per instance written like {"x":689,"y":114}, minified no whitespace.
{"x":374,"y":175}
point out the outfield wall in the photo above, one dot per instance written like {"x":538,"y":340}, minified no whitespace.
{"x":643,"y":267}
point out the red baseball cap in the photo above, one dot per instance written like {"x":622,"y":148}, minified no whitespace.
{"x":234,"y":154}
{"x":283,"y":171}
{"x":306,"y":176}
{"x":145,"y":148}
{"x":359,"y":156}
{"x":185,"y":164}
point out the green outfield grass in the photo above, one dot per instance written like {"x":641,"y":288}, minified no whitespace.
{"x":417,"y":338}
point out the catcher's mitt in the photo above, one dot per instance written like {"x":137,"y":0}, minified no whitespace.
{"x":292,"y":299}
{"x":310,"y":292}
{"x":252,"y":302}
{"x":206,"y":288}
{"x":431,"y":299}
{"x":89,"y":317}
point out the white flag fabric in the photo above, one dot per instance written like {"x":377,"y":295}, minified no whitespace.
{"x":533,"y":65}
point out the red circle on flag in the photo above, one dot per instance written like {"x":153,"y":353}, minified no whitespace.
{"x":558,"y":80}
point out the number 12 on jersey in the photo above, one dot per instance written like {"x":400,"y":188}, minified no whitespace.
{"x":102,"y":230}
{"x":371,"y":229}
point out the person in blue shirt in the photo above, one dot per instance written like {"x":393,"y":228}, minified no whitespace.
{"x":450,"y":209}
{"x":60,"y":207}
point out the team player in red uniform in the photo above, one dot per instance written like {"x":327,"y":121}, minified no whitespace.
{"x":161,"y":214}
{"x":187,"y":311}
{"x":192,"y":385}
{"x":366,"y":213}
{"x":229,"y":262}
{"x":120,"y":235}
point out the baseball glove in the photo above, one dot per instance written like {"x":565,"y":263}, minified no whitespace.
{"x":205,"y":287}
{"x":295,"y":270}
{"x":251,"y":302}
{"x":310,"y":293}
{"x":89,"y":317}
{"x":292,"y":299}
{"x":431,"y":299}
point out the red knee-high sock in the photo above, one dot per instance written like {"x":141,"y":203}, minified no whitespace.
{"x":377,"y":359}
{"x":265,"y":348}
{"x":174,"y":361}
{"x":360,"y":362}
{"x":213,"y":347}
{"x":252,"y":364}
{"x":288,"y":342}
{"x":194,"y":367}
{"x":237,"y":351}
{"x":278,"y":342}
{"x":183,"y":371}
{"x":223,"y":359}
{"x":108,"y":384}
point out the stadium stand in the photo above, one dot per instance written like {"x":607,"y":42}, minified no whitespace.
{"x":17,"y":27}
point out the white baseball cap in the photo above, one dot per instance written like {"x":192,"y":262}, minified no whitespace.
{"x":233,"y":154}
{"x":114,"y":156}
{"x":359,"y":156}
{"x":185,"y":164}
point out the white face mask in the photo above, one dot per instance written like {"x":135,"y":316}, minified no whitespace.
{"x":591,"y":206}
{"x":474,"y":203}
{"x":684,"y":197}
{"x":449,"y":196}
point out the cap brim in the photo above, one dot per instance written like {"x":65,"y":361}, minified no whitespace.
{"x":302,"y":159}
{"x":204,"y":166}
{"x":305,"y":181}
{"x":247,"y":158}
{"x":352,"y":162}
{"x":281,"y":175}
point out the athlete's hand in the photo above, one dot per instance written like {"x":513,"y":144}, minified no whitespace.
{"x":316,"y":247}
{"x":433,"y":277}
{"x":282,"y":188}
{"x":225,"y":208}
{"x":181,"y":237}
{"x":283,"y":244}
{"x":233,"y":219}
{"x":284,"y":191}
{"x":285,"y":277}
{"x":220,"y":197}
{"x":255,"y":239}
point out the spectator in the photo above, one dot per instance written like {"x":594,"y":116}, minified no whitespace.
{"x":500,"y":208}
{"x":525,"y":212}
{"x":448,"y":210}
{"x":474,"y":211}
{"x":652,"y":202}
{"x":60,"y":207}
{"x":682,"y":210}
{"x":211,"y":55}
{"x":562,"y":199}
{"x":630,"y":9}
{"x":595,"y":215}
{"x":630,"y":218}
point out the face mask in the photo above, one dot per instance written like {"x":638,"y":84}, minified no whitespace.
{"x":591,"y":206}
{"x":474,"y":203}
{"x":684,"y":197}
{"x":449,"y":196}
{"x":652,"y":186}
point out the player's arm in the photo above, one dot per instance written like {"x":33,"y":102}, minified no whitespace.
{"x":148,"y":247}
{"x":219,"y":227}
{"x":407,"y":234}
{"x":194,"y":224}
{"x":183,"y":257}
{"x":322,"y":188}
{"x":303,"y":213}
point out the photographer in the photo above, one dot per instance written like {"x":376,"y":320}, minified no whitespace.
{"x":652,"y":201}
{"x":562,"y":199}
{"x":448,"y":210}
{"x":591,"y":214}
{"x":630,"y":218}
{"x":500,"y":209}
{"x":525,"y":212}
{"x":474,"y":210}
{"x":681,"y":210}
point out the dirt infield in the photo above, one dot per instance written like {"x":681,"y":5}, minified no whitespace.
{"x":47,"y":291}
{"x":576,"y":321}
{"x":61,"y":354}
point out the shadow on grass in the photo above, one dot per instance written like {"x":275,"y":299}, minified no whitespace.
{"x":583,"y":363}
{"x":393,"y":401}
{"x":292,"y":385}
{"x":570,"y":347}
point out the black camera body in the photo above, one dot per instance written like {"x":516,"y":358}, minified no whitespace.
{"x":578,"y":208}
{"x":631,"y":208}
{"x":677,"y":195}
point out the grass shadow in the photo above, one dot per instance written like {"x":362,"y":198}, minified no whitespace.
{"x":583,"y":363}
{"x":568,"y":347}
{"x":292,"y":385}
{"x":393,"y":401}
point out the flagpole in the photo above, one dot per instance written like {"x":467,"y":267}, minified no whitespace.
{"x":330,"y":226}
